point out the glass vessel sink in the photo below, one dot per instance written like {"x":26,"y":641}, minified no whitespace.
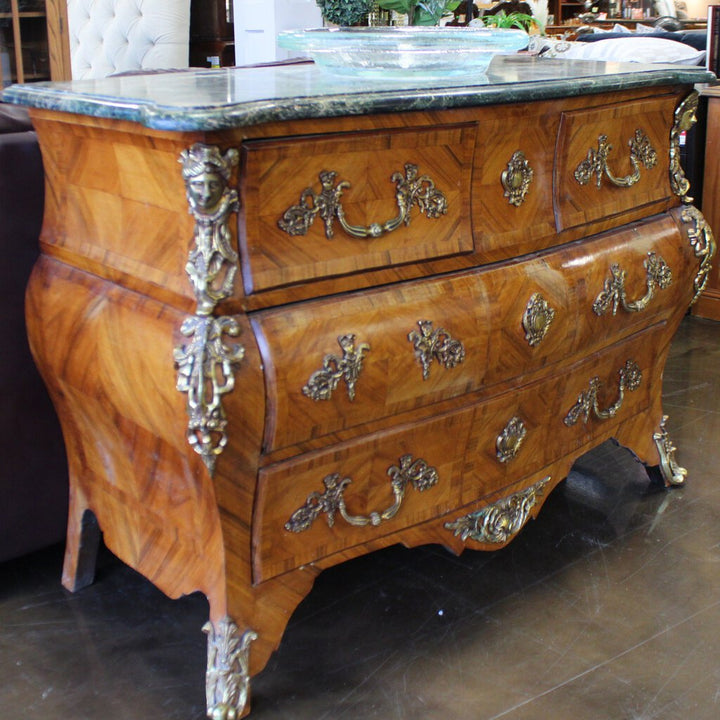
{"x":402,"y":52}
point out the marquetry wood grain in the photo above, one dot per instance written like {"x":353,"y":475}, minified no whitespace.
{"x":579,"y":133}
{"x":708,"y":306}
{"x":275,"y":174}
{"x":481,"y":309}
{"x":106,"y":186}
{"x":106,"y":302}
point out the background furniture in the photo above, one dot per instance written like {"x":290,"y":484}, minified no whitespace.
{"x":212,"y":32}
{"x":33,"y":473}
{"x":409,"y":367}
{"x":708,"y":306}
{"x":111,"y":36}
{"x":24,"y":53}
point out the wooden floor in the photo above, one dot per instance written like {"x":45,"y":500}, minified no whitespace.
{"x":607,"y":607}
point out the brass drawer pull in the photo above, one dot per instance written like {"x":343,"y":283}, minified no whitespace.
{"x":516,"y":178}
{"x":658,"y":275}
{"x":437,"y":345}
{"x":501,"y":521}
{"x":630,"y":379}
{"x":596,"y":162}
{"x":416,"y":472}
{"x":411,"y":189}
{"x":323,"y":382}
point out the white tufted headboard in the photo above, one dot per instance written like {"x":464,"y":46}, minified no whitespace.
{"x":111,"y":36}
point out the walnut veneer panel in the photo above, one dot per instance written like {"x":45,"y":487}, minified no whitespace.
{"x":460,"y":446}
{"x":580,"y":133}
{"x":483,"y":310}
{"x":275,"y":174}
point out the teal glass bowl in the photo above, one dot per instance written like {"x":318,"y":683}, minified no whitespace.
{"x":403,"y":52}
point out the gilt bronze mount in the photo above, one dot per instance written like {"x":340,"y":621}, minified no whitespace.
{"x":431,"y":344}
{"x":227,"y":681}
{"x":510,"y":439}
{"x":411,"y":190}
{"x":658,"y":276}
{"x":536,"y":319}
{"x":685,"y":118}
{"x":323,"y":382}
{"x":500,"y":522}
{"x":415,"y":472}
{"x":516,"y":178}
{"x":596,"y":162}
{"x":206,"y":364}
{"x":630,"y":378}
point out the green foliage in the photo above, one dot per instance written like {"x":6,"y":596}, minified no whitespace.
{"x":421,"y":12}
{"x":511,"y":20}
{"x":345,"y":12}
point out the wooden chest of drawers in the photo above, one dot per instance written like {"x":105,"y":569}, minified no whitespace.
{"x":369,"y":328}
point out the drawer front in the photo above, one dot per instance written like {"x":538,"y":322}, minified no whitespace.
{"x":334,"y":364}
{"x":612,"y":159}
{"x":331,"y":501}
{"x":288,"y":186}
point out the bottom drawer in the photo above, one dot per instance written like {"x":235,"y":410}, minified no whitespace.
{"x":354,"y":493}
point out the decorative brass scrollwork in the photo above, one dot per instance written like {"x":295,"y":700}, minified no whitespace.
{"x":323,"y":382}
{"x":703,"y":245}
{"x":672,"y":473}
{"x":416,"y":472}
{"x":411,"y":189}
{"x":630,"y":379}
{"x":437,"y":345}
{"x":227,"y":680}
{"x":596,"y":162}
{"x":536,"y":319}
{"x":510,"y":439}
{"x":205,"y":365}
{"x":658,"y":275}
{"x":516,"y":178}
{"x":685,"y":118}
{"x":501,"y":521}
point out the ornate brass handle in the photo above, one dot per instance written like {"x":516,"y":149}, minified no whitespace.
{"x":323,"y":382}
{"x":658,"y":275}
{"x":630,"y":378}
{"x":411,"y":189}
{"x":437,"y":345}
{"x":501,"y":521}
{"x":596,"y":162}
{"x":417,"y":472}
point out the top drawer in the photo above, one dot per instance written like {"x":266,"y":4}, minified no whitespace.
{"x":287,"y":186}
{"x":612,"y":159}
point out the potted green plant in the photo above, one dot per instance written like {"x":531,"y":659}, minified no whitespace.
{"x":421,"y":12}
{"x":345,"y":12}
{"x":502,"y":19}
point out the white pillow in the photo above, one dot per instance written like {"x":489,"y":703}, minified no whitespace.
{"x":638,"y":49}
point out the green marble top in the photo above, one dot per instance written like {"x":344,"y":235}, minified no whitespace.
{"x":219,"y":99}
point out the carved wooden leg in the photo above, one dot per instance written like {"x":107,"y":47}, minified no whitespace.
{"x":228,"y":676}
{"x":671,"y":472}
{"x":83,"y":540}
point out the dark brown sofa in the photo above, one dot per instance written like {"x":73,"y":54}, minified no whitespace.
{"x":33,"y":473}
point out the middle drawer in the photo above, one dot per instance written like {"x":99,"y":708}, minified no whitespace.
{"x":337,"y":363}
